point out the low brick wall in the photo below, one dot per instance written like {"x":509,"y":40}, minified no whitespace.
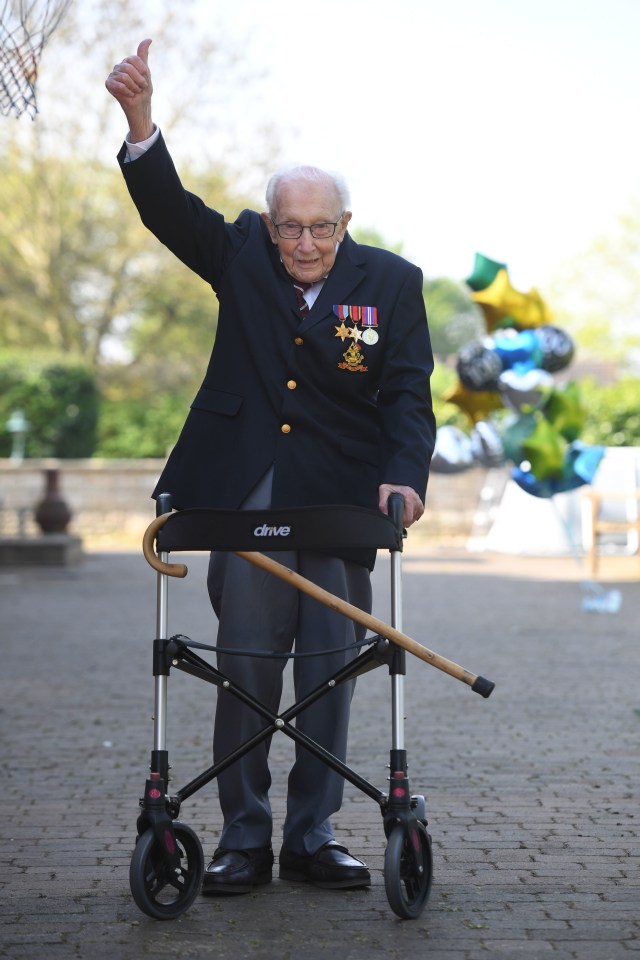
{"x":110,"y":499}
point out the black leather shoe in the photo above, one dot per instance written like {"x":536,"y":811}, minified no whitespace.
{"x":331,"y":867}
{"x":237,"y":871}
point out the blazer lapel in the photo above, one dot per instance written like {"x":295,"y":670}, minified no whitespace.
{"x":347,"y":272}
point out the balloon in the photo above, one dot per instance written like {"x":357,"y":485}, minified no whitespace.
{"x":484,"y":272}
{"x":478,"y":366}
{"x":556,"y":347}
{"x":518,"y":351}
{"x":486,"y":445}
{"x":452,"y":452}
{"x":513,"y":368}
{"x":477,"y":404}
{"x":565,"y":411}
{"x":579,"y":467}
{"x":516,"y":432}
{"x":524,"y":390}
{"x":544,"y":448}
{"x":584,"y":461}
{"x":500,"y":300}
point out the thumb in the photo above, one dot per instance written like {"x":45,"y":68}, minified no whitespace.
{"x":143,"y":50}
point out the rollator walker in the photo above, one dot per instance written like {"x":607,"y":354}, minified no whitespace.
{"x":167,"y":865}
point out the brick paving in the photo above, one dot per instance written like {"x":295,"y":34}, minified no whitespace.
{"x":532,"y":795}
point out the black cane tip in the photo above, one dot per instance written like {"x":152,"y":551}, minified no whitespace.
{"x":483,"y":686}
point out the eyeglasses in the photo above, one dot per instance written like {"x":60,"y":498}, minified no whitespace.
{"x":319,"y":231}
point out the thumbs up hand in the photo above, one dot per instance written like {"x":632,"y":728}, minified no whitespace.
{"x":130,"y":84}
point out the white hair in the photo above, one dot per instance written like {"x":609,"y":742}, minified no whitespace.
{"x":311,"y":175}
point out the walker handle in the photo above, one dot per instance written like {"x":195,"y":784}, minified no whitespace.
{"x":148,"y":541}
{"x":395,"y":509}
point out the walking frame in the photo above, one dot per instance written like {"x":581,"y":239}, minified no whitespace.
{"x":168,"y":863}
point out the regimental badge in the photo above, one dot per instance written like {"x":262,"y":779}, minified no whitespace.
{"x":353,"y":358}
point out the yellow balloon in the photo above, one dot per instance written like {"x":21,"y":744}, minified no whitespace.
{"x":477,"y":404}
{"x":500,"y":300}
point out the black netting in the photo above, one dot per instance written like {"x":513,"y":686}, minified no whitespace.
{"x":24,"y":30}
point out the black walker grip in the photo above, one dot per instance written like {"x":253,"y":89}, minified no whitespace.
{"x":395,"y":509}
{"x":483,"y":686}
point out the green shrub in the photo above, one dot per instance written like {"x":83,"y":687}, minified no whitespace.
{"x":59,"y":399}
{"x":131,"y":428}
{"x":612,"y":412}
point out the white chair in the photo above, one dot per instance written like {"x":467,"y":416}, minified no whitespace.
{"x":611,"y":508}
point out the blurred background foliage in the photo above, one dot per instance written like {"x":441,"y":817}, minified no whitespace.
{"x":104,"y":336}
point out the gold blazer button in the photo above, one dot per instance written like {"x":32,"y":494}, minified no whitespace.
{"x":285,"y":428}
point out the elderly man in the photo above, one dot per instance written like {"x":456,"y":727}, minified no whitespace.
{"x":317,"y":392}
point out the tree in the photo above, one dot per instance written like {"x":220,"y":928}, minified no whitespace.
{"x":372,"y":238}
{"x":453,"y":316}
{"x":597,"y":296}
{"x":78,"y":272}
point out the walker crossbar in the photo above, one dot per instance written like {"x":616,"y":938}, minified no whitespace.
{"x":178,"y":656}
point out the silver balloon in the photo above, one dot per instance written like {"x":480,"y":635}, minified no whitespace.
{"x":486,"y":445}
{"x":529,"y":389}
{"x":452,"y":452}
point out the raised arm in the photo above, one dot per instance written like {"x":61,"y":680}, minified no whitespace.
{"x":130,"y":83}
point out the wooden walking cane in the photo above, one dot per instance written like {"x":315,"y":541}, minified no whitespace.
{"x":478,"y":684}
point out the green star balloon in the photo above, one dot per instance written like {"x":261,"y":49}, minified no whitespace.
{"x":484,"y":272}
{"x":545,"y":449}
{"x":565,"y":411}
{"x":515,"y":434}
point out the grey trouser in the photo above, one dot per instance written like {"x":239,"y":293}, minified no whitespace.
{"x":259,"y":611}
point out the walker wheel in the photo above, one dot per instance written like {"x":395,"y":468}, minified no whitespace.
{"x":408,"y":869}
{"x":156,"y":889}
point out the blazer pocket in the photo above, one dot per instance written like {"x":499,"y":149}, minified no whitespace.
{"x":216,"y":401}
{"x":360,"y":450}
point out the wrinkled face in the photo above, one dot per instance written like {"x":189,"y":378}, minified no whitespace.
{"x":306,"y":203}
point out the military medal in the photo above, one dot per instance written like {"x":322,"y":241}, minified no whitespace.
{"x":367,"y":317}
{"x":370,"y":322}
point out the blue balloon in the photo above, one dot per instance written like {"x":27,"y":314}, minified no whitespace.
{"x":520,"y":352}
{"x":580,"y":466}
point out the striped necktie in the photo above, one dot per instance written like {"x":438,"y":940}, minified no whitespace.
{"x":299,"y":287}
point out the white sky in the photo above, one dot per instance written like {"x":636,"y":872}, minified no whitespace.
{"x":509,"y":127}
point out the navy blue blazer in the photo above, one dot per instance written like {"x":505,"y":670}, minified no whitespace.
{"x":287,"y":392}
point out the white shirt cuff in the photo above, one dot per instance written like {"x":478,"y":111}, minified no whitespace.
{"x":135,"y":150}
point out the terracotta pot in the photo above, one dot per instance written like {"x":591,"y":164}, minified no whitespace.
{"x":52,"y":514}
